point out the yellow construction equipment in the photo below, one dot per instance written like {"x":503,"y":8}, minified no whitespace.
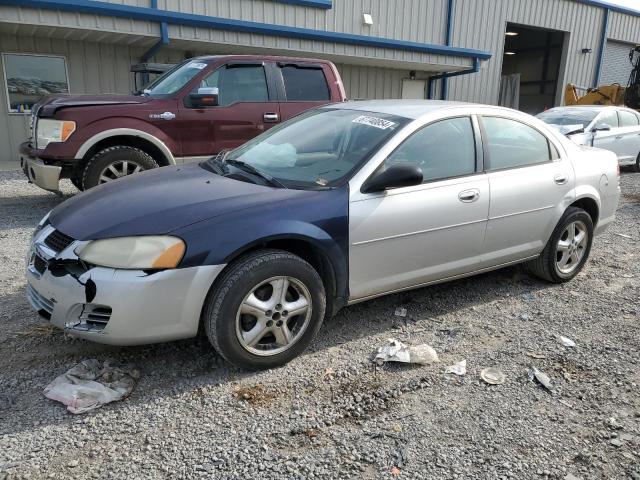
{"x":614,"y":94}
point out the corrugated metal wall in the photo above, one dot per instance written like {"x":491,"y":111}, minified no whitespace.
{"x":616,"y":67}
{"x":482,"y":23}
{"x":624,"y":28}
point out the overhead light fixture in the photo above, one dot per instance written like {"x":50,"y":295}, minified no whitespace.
{"x":511,"y":34}
{"x":509,"y":53}
{"x":587,"y":50}
{"x":367,"y":19}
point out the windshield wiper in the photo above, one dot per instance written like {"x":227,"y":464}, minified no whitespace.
{"x":251,"y":169}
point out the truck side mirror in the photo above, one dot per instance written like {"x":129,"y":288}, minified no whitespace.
{"x":205,"y":97}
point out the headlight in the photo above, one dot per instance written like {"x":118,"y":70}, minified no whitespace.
{"x":53,"y":131}
{"x":140,"y":253}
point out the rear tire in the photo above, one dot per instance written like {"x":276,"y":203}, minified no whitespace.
{"x":254,"y":319}
{"x":636,"y":167}
{"x":567,"y":250}
{"x":115,"y":162}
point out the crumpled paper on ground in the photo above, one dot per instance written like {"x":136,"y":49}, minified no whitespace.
{"x":396,"y":351}
{"x":91,"y":384}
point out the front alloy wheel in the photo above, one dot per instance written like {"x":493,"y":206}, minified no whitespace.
{"x":118,"y":169}
{"x":273,"y":316}
{"x":264,"y":309}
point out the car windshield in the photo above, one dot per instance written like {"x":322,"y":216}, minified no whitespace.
{"x":569,"y":118}
{"x":174,"y":79}
{"x":319,"y":148}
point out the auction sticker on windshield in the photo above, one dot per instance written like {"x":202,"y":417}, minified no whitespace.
{"x":374,"y":122}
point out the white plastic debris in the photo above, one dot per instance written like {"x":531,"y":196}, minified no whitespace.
{"x":401,"y":312}
{"x":567,"y":342}
{"x":459,"y":368}
{"x":542,"y":378}
{"x":396,"y":351}
{"x":91,"y":384}
{"x":492,"y":376}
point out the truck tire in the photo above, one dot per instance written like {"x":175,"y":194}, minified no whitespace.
{"x":290,"y":299}
{"x":115,"y":162}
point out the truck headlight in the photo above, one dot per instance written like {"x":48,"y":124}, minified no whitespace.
{"x":53,"y":131}
{"x":138,"y":253}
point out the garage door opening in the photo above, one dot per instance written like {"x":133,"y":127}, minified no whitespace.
{"x":531,"y":68}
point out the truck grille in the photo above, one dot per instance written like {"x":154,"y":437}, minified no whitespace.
{"x":58,"y":241}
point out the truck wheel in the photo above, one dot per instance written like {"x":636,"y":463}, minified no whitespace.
{"x":567,"y":250}
{"x":77,"y":182}
{"x":113,"y":163}
{"x":265,"y":310}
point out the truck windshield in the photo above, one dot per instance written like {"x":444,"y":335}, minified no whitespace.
{"x":320,"y":148}
{"x":175,"y":79}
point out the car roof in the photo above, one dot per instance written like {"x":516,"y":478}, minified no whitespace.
{"x":597,"y":108}
{"x":412,"y":109}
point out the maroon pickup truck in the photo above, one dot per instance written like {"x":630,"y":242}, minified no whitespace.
{"x":197,"y":109}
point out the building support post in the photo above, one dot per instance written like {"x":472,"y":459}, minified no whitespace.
{"x":449,"y":35}
{"x":475,"y":69}
{"x":164,"y":40}
{"x":603,"y":45}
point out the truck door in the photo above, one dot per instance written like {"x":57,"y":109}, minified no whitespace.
{"x":247,"y":106}
{"x":303,"y":85}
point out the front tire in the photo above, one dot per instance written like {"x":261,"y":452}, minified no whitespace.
{"x":115,"y":162}
{"x":567,"y":250}
{"x":265,"y":309}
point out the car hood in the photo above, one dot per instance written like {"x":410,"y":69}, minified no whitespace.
{"x":49,"y":105}
{"x":159,"y":201}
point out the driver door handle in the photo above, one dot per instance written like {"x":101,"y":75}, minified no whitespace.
{"x":468,"y":196}
{"x":270,"y":117}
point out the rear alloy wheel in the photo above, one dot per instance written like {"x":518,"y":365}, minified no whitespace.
{"x":568,"y":248}
{"x":116,"y":162}
{"x":265,"y":309}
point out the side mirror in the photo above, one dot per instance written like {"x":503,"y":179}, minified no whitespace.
{"x":205,"y":97}
{"x":395,"y":176}
{"x":602,"y":127}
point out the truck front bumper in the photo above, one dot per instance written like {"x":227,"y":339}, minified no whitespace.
{"x":44,"y":176}
{"x":115,"y":306}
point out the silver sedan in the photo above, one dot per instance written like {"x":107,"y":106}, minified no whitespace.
{"x":616,"y":129}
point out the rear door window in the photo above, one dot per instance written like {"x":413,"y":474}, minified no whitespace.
{"x":627,"y":119}
{"x":512,"y":144}
{"x":304,"y":84}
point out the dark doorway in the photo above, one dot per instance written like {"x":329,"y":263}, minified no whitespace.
{"x":532,"y":60}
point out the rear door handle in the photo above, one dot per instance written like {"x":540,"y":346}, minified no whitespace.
{"x":560,"y":179}
{"x":271,"y":117}
{"x":468,"y":196}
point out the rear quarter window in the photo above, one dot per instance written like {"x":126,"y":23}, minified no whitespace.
{"x":627,"y":119}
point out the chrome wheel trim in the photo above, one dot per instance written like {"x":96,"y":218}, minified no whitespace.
{"x":571,"y":247}
{"x":118,"y":169}
{"x":273,"y":316}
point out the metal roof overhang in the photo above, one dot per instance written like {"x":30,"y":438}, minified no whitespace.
{"x":468,"y":56}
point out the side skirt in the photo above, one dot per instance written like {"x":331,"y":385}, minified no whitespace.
{"x":441,"y":280}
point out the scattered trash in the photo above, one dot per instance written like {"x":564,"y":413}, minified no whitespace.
{"x":616,"y":442}
{"x":402,"y":456}
{"x":401,"y":312}
{"x":624,"y":235}
{"x":536,"y":355}
{"x":566,"y":404}
{"x":329,"y":374}
{"x":91,"y":384}
{"x":395,"y":471}
{"x":395,"y":351}
{"x":613,"y":424}
{"x":528,"y":297}
{"x":542,"y":378}
{"x":492,"y":376}
{"x":567,"y":342}
{"x":459,"y":368}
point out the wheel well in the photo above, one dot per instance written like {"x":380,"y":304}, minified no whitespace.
{"x":590,"y":206}
{"x":311,"y":254}
{"x":129,"y":141}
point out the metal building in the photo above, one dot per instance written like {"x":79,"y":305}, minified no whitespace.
{"x":519,"y":53}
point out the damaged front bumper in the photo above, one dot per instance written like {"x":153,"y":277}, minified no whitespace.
{"x":114,"y":306}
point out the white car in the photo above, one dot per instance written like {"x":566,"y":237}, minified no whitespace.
{"x":616,"y":129}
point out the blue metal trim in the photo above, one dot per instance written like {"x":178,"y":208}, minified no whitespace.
{"x":475,"y":69}
{"x":164,"y":39}
{"x":326,"y":4}
{"x":448,"y":39}
{"x":603,"y":44}
{"x":177,"y":18}
{"x":610,"y":6}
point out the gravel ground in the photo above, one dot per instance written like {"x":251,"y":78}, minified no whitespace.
{"x":330,"y":413}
